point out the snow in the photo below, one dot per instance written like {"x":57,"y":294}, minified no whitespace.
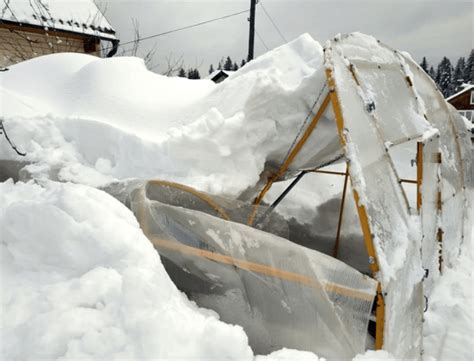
{"x":79,"y":16}
{"x":465,"y":87}
{"x":449,"y":320}
{"x":375,"y":356}
{"x":80,"y":280}
{"x":140,"y":124}
{"x":78,"y":277}
{"x":289,"y":355}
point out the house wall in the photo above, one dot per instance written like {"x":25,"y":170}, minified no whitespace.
{"x":463,"y":104}
{"x":463,"y":101}
{"x":19,"y":45}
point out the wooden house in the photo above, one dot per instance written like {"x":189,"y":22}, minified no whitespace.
{"x":30,"y":28}
{"x":463,"y":101}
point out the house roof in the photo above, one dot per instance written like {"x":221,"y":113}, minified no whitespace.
{"x":218,"y":73}
{"x":465,"y":89}
{"x":78,"y":16}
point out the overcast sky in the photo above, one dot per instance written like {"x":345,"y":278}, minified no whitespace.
{"x":423,"y":28}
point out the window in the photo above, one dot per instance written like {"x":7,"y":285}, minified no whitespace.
{"x":472,"y":96}
{"x":469,"y":115}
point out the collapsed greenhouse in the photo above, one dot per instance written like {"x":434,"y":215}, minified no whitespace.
{"x":375,"y":105}
{"x":373,"y":111}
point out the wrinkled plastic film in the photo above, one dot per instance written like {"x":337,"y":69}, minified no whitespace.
{"x":284,"y":295}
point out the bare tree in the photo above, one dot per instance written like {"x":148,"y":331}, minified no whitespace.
{"x":136,"y":45}
{"x":173,"y":64}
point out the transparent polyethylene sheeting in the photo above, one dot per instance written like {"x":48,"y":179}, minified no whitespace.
{"x":282,"y":294}
{"x":369,"y":129}
{"x":456,"y":164}
{"x":429,"y":213}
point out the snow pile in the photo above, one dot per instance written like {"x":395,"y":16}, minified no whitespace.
{"x":113,"y":119}
{"x":449,"y":321}
{"x":79,"y":279}
{"x":375,"y":356}
{"x":289,"y":355}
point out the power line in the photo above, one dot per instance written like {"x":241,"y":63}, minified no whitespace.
{"x":182,"y":28}
{"x":261,"y":39}
{"x":273,"y":22}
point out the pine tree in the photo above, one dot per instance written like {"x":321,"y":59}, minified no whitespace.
{"x":182,"y":73}
{"x":469,"y":69}
{"x":228,"y":64}
{"x":432,"y":73}
{"x":235,"y":67}
{"x":211,"y":69}
{"x":424,"y":65}
{"x":242,"y":63}
{"x":445,"y":77}
{"x":458,"y":76}
{"x":193,"y":74}
{"x":219,"y":66}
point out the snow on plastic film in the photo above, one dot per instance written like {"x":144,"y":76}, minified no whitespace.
{"x":283,"y":295}
{"x":365,"y":74}
{"x":387,"y":100}
{"x":429,"y":212}
{"x":456,"y":163}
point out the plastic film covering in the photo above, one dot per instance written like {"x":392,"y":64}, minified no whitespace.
{"x":429,"y":210}
{"x":456,"y":164}
{"x":384,"y":88}
{"x":367,"y":133}
{"x":322,"y":146}
{"x":282,"y":294}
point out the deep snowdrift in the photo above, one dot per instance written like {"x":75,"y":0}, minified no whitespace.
{"x":79,"y":279}
{"x":112,"y":118}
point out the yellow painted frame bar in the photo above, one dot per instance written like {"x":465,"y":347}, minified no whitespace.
{"x":202,"y":196}
{"x":419,"y":174}
{"x":363,"y":217}
{"x":259,"y":268}
{"x":293,"y":153}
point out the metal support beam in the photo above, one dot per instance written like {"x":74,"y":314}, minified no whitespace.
{"x":280,"y":198}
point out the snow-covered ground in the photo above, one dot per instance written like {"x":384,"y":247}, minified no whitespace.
{"x":78,"y":277}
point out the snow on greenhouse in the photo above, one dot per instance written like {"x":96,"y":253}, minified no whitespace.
{"x":210,"y":172}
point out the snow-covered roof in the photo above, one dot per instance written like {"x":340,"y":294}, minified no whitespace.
{"x":78,"y":16}
{"x":217,"y":72}
{"x":466,"y":88}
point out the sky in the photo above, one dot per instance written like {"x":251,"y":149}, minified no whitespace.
{"x":423,"y":28}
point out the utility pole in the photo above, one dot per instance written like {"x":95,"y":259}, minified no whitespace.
{"x":253,"y":3}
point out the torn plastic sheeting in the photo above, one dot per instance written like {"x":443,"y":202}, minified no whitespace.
{"x":282,"y":294}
